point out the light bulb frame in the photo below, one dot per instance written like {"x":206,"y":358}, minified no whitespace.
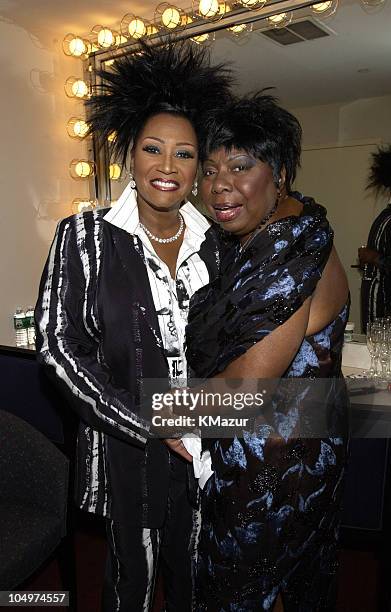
{"x":75,"y":175}
{"x":372,"y":7}
{"x":113,"y":175}
{"x":72,"y":122}
{"x":69,"y":85}
{"x":152,"y":30}
{"x":328,"y":11}
{"x":224,"y":8}
{"x":288,"y":16}
{"x":125,"y":23}
{"x":67,"y":41}
{"x":94,"y":37}
{"x":220,"y":12}
{"x":159,"y":13}
{"x":206,"y":40}
{"x":242,"y":33}
{"x":200,"y":17}
{"x":253,"y":7}
{"x":201,"y":30}
{"x":80,"y":205}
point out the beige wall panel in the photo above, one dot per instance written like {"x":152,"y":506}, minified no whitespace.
{"x":335,"y":177}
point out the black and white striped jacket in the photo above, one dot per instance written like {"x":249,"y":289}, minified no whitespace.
{"x":98,"y":334}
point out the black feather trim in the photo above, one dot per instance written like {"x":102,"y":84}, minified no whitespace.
{"x":175,"y":77}
{"x":379,"y":178}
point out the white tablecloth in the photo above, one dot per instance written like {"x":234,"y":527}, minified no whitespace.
{"x":356,"y":355}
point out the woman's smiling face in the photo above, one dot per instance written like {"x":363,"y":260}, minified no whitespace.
{"x":238,"y":190}
{"x":164,"y":161}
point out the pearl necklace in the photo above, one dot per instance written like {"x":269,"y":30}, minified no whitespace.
{"x":165,"y":240}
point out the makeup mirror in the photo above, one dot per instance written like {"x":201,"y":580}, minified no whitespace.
{"x":330,"y":66}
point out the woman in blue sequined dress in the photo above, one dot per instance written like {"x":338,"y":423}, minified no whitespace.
{"x":270,"y":510}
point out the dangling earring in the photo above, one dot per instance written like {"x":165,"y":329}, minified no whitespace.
{"x":194,"y":191}
{"x":280,"y":185}
{"x":274,"y":207}
{"x":132,"y":182}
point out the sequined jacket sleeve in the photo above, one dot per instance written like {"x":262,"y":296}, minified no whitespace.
{"x":258,"y":290}
{"x":68,"y":332}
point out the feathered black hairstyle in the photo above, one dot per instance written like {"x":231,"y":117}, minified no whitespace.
{"x":263,"y":129}
{"x":175,"y":77}
{"x":379,"y":178}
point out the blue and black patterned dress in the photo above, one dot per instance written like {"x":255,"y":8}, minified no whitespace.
{"x":270,"y":511}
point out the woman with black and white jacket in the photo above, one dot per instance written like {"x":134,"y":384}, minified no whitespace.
{"x":112,"y":310}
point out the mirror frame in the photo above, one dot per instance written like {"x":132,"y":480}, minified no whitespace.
{"x":100,"y":184}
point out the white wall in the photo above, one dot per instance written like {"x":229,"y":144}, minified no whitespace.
{"x":36,"y":188}
{"x":362,"y":119}
{"x":338,"y":142}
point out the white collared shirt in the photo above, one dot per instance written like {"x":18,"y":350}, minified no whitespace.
{"x":170,"y":296}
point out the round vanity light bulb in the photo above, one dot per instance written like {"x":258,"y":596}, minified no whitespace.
{"x":238,"y":28}
{"x":115,"y":172}
{"x":137,"y":28}
{"x":77,"y":47}
{"x":83,"y":169}
{"x":77,"y":127}
{"x":277,"y":18}
{"x":106,"y":38}
{"x":79,"y":88}
{"x":201,"y":38}
{"x":321,"y":7}
{"x":80,"y":128}
{"x":171,"y":17}
{"x":208,"y":8}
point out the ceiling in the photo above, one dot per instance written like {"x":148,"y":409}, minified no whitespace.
{"x":353,"y":62}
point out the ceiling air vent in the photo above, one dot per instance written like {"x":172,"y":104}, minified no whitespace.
{"x":296,"y":32}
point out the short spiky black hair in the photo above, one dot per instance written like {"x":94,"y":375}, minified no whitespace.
{"x":259,"y":126}
{"x":379,"y":178}
{"x":175,"y":77}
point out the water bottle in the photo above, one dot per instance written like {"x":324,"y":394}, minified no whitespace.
{"x":21,"y":338}
{"x":30,"y":326}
